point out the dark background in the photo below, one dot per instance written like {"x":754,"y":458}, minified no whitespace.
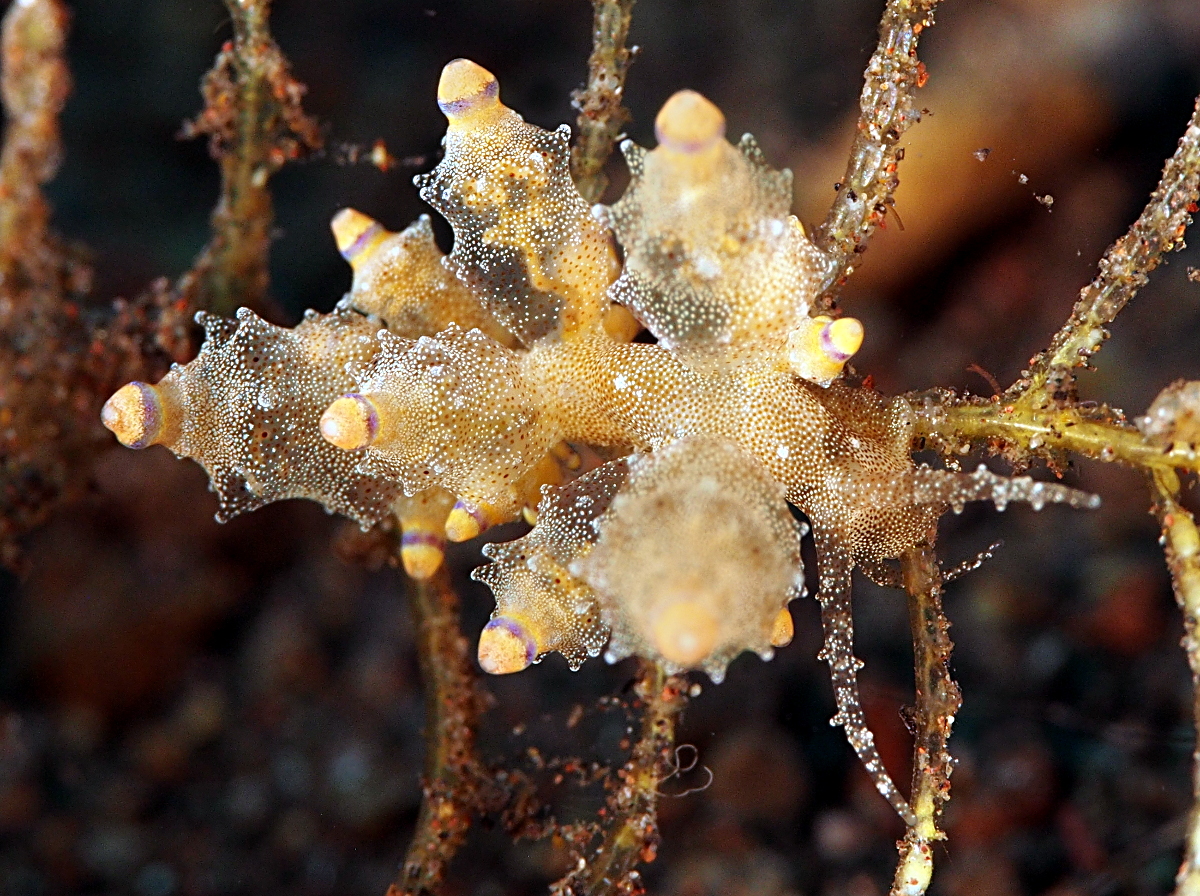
{"x":187,"y":708}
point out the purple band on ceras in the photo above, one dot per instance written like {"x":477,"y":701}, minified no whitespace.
{"x":372,"y":413}
{"x":151,"y":415}
{"x":517,"y":630}
{"x":832,"y":352}
{"x":451,"y":108}
{"x":352,"y":251}
{"x":475,"y":513}
{"x":411,"y":539}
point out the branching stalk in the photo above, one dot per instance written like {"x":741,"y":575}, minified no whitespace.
{"x":602,"y":113}
{"x":938,"y":700}
{"x":35,"y":85}
{"x":1124,"y":269}
{"x":631,"y":834}
{"x":453,"y":775}
{"x":255,"y":124}
{"x":888,"y":109}
{"x":1181,"y":544}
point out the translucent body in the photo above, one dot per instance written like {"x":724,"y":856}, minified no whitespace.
{"x":247,"y":407}
{"x":715,"y":266}
{"x":684,"y":550}
{"x":695,"y":558}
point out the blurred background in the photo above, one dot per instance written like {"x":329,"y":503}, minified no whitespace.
{"x":187,"y":708}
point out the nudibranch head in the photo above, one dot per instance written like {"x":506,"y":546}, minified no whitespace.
{"x":135,"y":414}
{"x":351,"y":422}
{"x":505,"y":646}
{"x":689,"y":123}
{"x":467,"y":90}
{"x":357,"y":236}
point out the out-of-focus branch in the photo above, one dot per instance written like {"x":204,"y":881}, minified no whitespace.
{"x":602,"y":113}
{"x":887,"y":110}
{"x":1181,"y":544}
{"x":938,"y":700}
{"x":631,"y":832}
{"x":1124,"y":269}
{"x":59,"y":358}
{"x":255,"y":124}
{"x":453,"y":776}
{"x":35,"y":85}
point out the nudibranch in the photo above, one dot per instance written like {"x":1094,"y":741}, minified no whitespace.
{"x":447,"y":390}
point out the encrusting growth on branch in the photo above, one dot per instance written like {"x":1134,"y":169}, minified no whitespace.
{"x":630,"y":836}
{"x":937,"y":703}
{"x":1124,"y":269}
{"x":453,"y":774}
{"x":255,"y":125}
{"x":867,"y":189}
{"x":602,"y":112}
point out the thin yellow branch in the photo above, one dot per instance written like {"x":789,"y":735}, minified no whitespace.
{"x":1124,"y":269}
{"x":938,"y":700}
{"x":1019,"y":431}
{"x":1181,"y":544}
